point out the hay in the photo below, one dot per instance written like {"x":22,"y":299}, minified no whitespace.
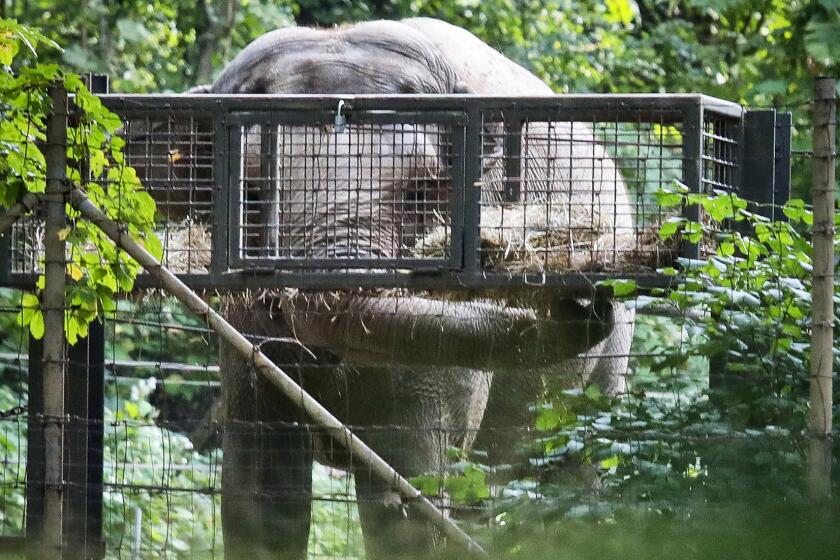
{"x":514,"y":239}
{"x":526,"y":238}
{"x":187,"y":247}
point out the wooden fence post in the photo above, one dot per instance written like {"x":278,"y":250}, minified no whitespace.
{"x":822,"y":312}
{"x":52,"y":304}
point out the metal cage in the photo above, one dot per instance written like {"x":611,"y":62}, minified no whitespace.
{"x":411,"y":191}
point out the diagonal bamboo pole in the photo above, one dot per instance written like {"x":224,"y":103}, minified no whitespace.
{"x":277,"y":376}
{"x":27,"y":204}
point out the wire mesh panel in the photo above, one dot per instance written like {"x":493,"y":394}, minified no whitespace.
{"x":174,"y":154}
{"x":562,"y":195}
{"x":25,"y":245}
{"x":362,"y":194}
{"x":14,"y":417}
{"x":722,"y":167}
{"x":721,"y":148}
{"x":484,"y":399}
{"x":163,"y":431}
{"x":161,"y":464}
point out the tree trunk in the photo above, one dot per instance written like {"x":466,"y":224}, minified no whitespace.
{"x":219,"y":18}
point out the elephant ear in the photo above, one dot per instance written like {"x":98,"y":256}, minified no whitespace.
{"x":203,"y":88}
{"x":462,"y":87}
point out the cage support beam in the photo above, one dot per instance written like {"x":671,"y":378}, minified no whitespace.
{"x":759,"y":161}
{"x":692,"y":170}
{"x":83,"y":440}
{"x":781,"y":182}
{"x":822,"y":306}
{"x":337,"y":430}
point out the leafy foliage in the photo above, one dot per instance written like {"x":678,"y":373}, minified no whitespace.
{"x":745,"y":309}
{"x":755,"y":292}
{"x":97,"y":268}
{"x":165,"y":45}
{"x":717,"y":407}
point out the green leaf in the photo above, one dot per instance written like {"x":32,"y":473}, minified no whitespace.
{"x":36,"y":325}
{"x":429,"y":485}
{"x":621,"y":287}
{"x":468,"y":487}
{"x":71,"y":328}
{"x":30,"y":300}
{"x":693,"y":231}
{"x":98,"y":162}
{"x":622,"y":11}
{"x":549,"y":418}
{"x":671,"y":227}
{"x":610,"y":462}
{"x":29,"y":305}
{"x":9,"y":46}
{"x":593,"y":391}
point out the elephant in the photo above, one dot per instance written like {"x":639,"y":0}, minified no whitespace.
{"x":412,"y":374}
{"x":483,"y":70}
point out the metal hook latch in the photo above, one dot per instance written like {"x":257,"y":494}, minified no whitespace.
{"x":340,"y":120}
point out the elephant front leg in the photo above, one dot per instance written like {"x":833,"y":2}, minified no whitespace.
{"x":266,"y":499}
{"x":267,"y":445}
{"x":415,"y":417}
{"x":391,"y":529}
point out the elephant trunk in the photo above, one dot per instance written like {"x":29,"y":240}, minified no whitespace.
{"x":419,"y":331}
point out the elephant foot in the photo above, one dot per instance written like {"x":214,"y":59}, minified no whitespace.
{"x":391,"y":530}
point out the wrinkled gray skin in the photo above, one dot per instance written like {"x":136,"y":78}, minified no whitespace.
{"x":423,"y":368}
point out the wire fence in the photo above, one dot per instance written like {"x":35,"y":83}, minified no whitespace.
{"x":430,"y":271}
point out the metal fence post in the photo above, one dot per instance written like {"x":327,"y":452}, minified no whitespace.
{"x":822,"y":312}
{"x":692,"y":169}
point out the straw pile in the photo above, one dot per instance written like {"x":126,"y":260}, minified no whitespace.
{"x":526,"y":238}
{"x":187,"y":247}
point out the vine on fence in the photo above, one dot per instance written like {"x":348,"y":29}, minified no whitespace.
{"x":750,"y":308}
{"x":746,"y":309}
{"x":96,"y":164}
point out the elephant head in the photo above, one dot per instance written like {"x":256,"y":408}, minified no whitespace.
{"x":368,"y":191}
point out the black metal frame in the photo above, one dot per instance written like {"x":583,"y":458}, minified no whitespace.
{"x":757,"y":139}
